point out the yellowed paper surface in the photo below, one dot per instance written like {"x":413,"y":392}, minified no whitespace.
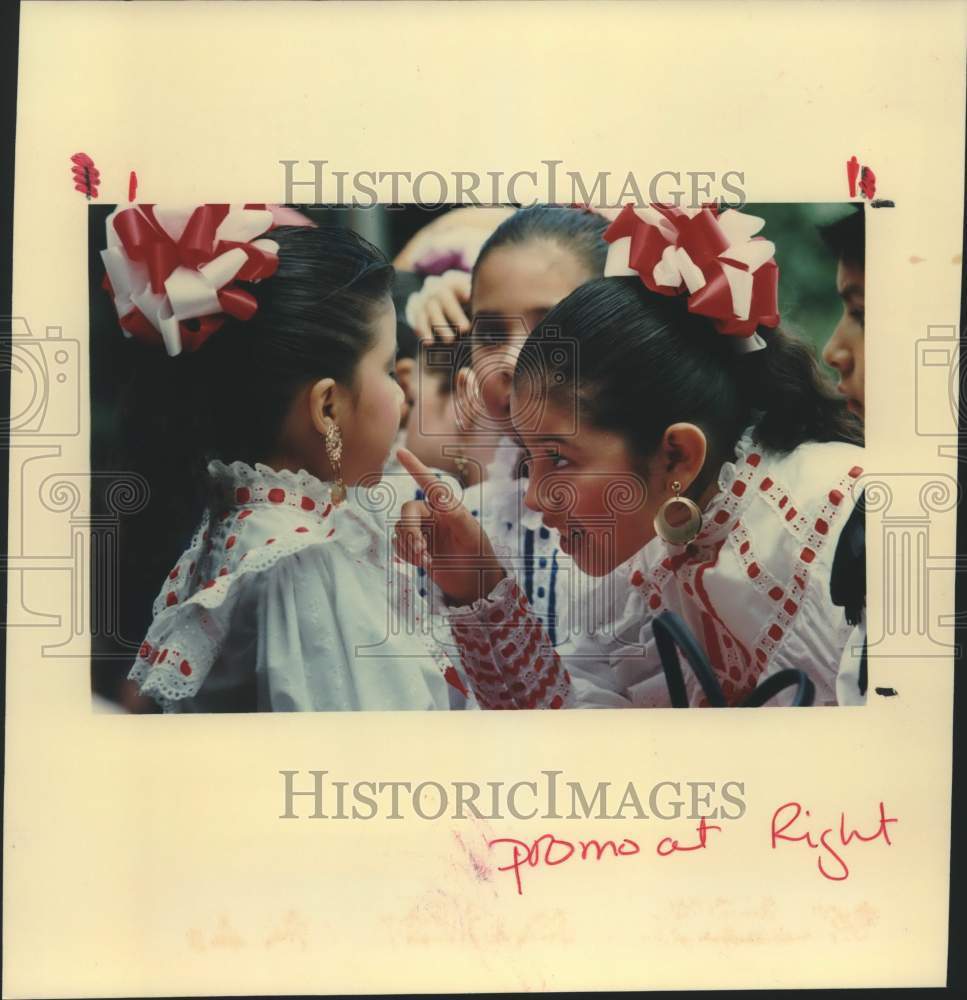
{"x":146,"y":855}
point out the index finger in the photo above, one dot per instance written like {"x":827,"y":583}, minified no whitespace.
{"x":437,"y":493}
{"x":422,"y":474}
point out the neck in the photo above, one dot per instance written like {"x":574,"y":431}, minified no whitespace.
{"x":286,"y":461}
{"x":706,"y":497}
{"x":711,"y":487}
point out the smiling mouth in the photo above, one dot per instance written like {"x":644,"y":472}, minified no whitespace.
{"x":570,"y":537}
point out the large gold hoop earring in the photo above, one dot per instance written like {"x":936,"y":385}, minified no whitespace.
{"x":334,"y":454}
{"x":678,"y":519}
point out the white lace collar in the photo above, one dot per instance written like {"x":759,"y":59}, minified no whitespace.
{"x":240,"y":484}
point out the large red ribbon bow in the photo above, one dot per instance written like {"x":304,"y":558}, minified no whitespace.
{"x":174,"y":272}
{"x":728,"y":272}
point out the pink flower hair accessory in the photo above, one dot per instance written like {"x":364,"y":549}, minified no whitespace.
{"x":728,"y":272}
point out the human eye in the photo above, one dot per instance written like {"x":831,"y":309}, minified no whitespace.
{"x":858,"y":315}
{"x":488,"y":332}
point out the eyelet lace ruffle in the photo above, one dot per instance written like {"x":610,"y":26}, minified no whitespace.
{"x":257,"y":517}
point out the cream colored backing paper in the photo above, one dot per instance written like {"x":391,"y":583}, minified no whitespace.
{"x":146,"y":856}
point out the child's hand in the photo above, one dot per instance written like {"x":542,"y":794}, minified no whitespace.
{"x":442,"y":536}
{"x":436,"y":311}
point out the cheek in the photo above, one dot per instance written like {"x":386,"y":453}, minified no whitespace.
{"x":432,"y":414}
{"x":625,"y":505}
{"x":382,"y":404}
{"x":493,"y":368}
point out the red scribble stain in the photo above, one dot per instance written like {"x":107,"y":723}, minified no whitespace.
{"x":86,"y":176}
{"x":132,"y":186}
{"x":481,"y":870}
{"x":867,"y":183}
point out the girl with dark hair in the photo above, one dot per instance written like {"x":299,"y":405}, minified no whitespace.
{"x":283,"y":400}
{"x":531,"y":262}
{"x":694,"y":459}
{"x":845,"y":349}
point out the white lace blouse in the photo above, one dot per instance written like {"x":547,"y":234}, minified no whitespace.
{"x":285,"y":602}
{"x":530,"y":551}
{"x":753,"y":588}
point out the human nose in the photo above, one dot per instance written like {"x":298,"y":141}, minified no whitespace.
{"x":530,"y":494}
{"x":836,"y":354}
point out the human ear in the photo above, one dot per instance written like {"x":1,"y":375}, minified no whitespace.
{"x":467,"y":400}
{"x":324,"y":404}
{"x":682,"y":453}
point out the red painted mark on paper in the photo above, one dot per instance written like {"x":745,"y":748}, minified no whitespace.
{"x":852,"y":172}
{"x":132,"y":186}
{"x":86,"y":176}
{"x":867,"y":179}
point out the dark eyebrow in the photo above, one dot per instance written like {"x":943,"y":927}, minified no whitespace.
{"x":545,"y":439}
{"x":505,"y":320}
{"x":539,"y":311}
{"x":850,"y":290}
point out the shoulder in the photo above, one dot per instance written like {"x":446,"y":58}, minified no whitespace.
{"x":810,"y":491}
{"x":258,"y":522}
{"x":814,"y":469}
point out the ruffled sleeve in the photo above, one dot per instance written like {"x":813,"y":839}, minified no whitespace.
{"x":510,"y":662}
{"x":284,"y":602}
{"x":507,"y":654}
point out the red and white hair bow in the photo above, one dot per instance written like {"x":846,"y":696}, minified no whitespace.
{"x":728,"y":272}
{"x":174,"y":272}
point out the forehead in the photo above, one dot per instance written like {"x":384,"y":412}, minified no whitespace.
{"x":515,"y":279}
{"x":534,"y":414}
{"x":552,"y":418}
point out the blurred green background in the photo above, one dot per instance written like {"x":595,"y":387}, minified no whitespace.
{"x":808,"y":302}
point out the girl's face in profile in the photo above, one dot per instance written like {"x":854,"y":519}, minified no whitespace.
{"x":587,"y":485}
{"x":513,"y":289}
{"x":845,"y":349}
{"x":378,"y":404}
{"x":431,"y":423}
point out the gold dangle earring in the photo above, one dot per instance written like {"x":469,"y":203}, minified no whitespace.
{"x":461,"y":463}
{"x":334,"y":454}
{"x":678,"y":519}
